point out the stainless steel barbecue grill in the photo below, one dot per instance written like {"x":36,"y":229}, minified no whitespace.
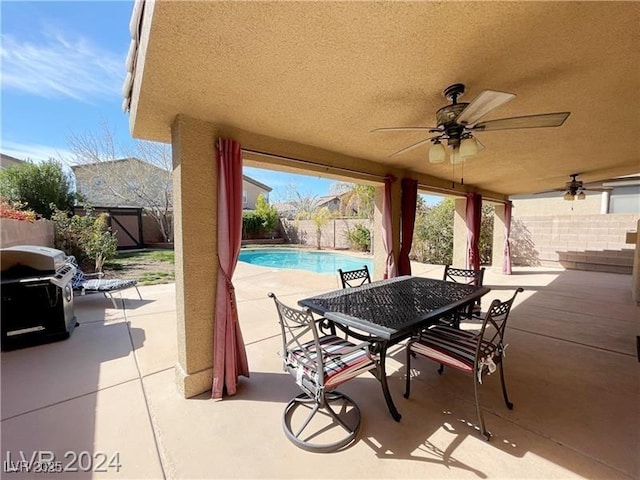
{"x":37,"y":296}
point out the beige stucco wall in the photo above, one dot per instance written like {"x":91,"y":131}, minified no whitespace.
{"x":460,"y":234}
{"x":17,"y":232}
{"x":195,"y":224}
{"x":635,"y":287}
{"x":582,"y":242}
{"x":554,"y":204}
{"x":253,"y":191}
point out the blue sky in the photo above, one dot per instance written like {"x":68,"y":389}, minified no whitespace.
{"x":62,"y":73}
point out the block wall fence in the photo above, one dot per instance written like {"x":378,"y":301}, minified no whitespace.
{"x":581,"y":242}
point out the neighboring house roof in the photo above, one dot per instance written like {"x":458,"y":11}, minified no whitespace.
{"x":7,"y":161}
{"x":326,"y":199}
{"x":256,"y":183}
{"x":107,"y":162}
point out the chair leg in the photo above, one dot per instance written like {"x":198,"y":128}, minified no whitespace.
{"x":346,"y":417}
{"x":407,"y":382}
{"x":138,"y":292}
{"x":504,"y":389}
{"x":113,"y":300}
{"x":483,"y":430}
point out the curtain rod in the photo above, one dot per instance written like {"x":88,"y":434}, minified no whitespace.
{"x":316,"y":164}
{"x":328,"y":168}
{"x":457,"y":193}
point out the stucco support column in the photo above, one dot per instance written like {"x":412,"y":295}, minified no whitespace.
{"x":460,"y":233}
{"x":195,"y":222}
{"x":497,"y":249}
{"x":379,"y":255}
{"x":635,"y":277}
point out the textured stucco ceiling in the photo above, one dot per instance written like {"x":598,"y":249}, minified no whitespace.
{"x":324,"y":74}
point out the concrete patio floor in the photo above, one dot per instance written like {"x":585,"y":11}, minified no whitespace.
{"x":571,"y":370}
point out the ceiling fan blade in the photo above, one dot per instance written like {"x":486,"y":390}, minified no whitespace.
{"x":551,"y":191}
{"x":528,"y":121}
{"x":406,"y":129}
{"x":484,"y":103}
{"x":411,"y":147}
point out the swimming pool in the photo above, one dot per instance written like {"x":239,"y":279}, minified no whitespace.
{"x":314,"y":261}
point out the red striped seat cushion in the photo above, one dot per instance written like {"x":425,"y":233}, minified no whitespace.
{"x":338,"y":365}
{"x":450,"y":346}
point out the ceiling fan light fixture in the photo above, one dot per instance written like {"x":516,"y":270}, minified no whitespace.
{"x":581,"y":195}
{"x":437,"y":153}
{"x":456,"y":158}
{"x":568,"y":196}
{"x":468,"y":147}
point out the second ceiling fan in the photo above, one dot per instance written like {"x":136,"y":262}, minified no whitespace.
{"x":457,"y":124}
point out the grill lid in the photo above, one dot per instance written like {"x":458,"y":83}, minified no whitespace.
{"x":43,"y":259}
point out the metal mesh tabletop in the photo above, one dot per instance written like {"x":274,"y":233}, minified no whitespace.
{"x":393,"y":307}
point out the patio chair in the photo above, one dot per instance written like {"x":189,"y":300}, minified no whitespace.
{"x":349,"y":279}
{"x":354,"y":278}
{"x":89,"y":283}
{"x":475,"y":353}
{"x":319,"y":365}
{"x":468,"y":277}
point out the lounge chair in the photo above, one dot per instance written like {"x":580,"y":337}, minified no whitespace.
{"x":89,"y":283}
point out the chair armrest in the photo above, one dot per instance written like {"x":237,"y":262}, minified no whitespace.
{"x":97,"y":275}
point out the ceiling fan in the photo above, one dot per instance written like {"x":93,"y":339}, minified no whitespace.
{"x":458,"y":123}
{"x":575,"y":189}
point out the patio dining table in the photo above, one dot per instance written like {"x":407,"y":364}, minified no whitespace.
{"x":388,"y":311}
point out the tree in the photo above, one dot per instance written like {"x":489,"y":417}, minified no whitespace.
{"x":433,"y":233}
{"x":356,"y":198}
{"x":41,"y":187}
{"x":319,"y":217}
{"x":268,"y":213}
{"x":145,"y":181}
{"x":295,"y":204}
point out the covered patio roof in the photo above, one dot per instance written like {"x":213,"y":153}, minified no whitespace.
{"x":311,"y":80}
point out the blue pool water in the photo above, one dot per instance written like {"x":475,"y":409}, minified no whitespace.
{"x":314,"y":261}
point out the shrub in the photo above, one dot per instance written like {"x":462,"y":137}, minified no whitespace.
{"x":261,"y":222}
{"x":359,"y":238}
{"x":267,"y":213}
{"x":251,"y":224}
{"x":87,"y":237}
{"x":39,"y":186}
{"x":16,"y":211}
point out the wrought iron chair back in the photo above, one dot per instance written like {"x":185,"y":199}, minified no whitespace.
{"x":468,"y":277}
{"x":475,"y":353}
{"x":461,"y":275}
{"x":319,"y":363}
{"x":354,"y":278}
{"x":298,"y":327}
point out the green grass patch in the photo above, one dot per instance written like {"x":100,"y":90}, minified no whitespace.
{"x":155,"y":278}
{"x":148,"y":256}
{"x":149,"y":267}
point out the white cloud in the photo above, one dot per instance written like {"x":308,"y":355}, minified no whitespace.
{"x":61,"y":67}
{"x":35,"y":152}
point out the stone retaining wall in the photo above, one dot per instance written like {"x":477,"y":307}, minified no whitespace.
{"x":19,"y":232}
